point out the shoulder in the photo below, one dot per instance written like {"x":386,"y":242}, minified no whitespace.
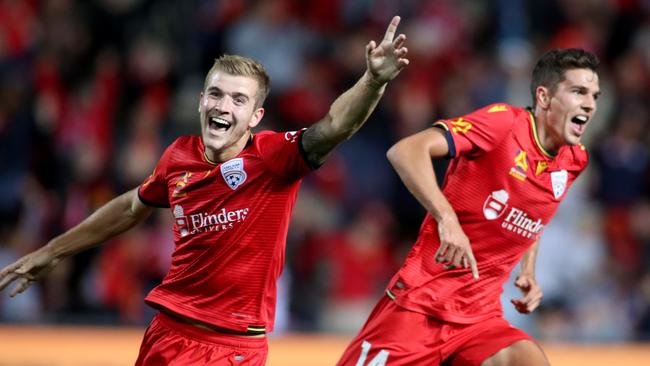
{"x":575,"y":157}
{"x":497,"y":115}
{"x":186,"y":142}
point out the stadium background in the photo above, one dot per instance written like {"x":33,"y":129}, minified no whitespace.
{"x":91,"y":92}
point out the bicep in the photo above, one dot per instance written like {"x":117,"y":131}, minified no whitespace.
{"x":432,"y":142}
{"x":137,"y":208}
{"x":317,"y":142}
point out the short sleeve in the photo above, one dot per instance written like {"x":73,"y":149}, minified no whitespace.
{"x":282,"y":152}
{"x":478,"y":132}
{"x":153,"y":191}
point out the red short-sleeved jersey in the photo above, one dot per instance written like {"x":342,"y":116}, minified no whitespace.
{"x":230,"y":228}
{"x":504,"y":188}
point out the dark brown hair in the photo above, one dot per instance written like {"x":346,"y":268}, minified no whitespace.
{"x":549,"y":70}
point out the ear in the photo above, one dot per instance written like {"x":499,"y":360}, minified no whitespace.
{"x":256,"y":118}
{"x":543,"y":97}
{"x":200,"y":101}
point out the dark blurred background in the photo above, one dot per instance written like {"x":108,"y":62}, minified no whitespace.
{"x":91,"y":92}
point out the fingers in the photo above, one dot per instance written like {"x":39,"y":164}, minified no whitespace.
{"x":440,"y":252}
{"x":22,"y":285}
{"x":472,"y":265}
{"x":399,"y":41}
{"x":7,"y":279}
{"x":525,"y":307}
{"x":369,"y":47}
{"x":392,"y":27}
{"x":522,"y":282}
{"x":452,"y":258}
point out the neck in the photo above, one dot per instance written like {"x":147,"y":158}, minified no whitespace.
{"x":229,"y":152}
{"x":544,"y":135}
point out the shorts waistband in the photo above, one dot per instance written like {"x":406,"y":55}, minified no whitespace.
{"x":210,"y":336}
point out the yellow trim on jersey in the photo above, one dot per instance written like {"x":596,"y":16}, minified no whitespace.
{"x":498,"y":108}
{"x":441,"y":124}
{"x":256,"y":329}
{"x":390,"y":294}
{"x":539,"y":144}
{"x":208,"y":159}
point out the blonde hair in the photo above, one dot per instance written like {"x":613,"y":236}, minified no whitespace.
{"x":242,"y":66}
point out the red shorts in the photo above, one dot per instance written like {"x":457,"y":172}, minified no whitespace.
{"x":394,"y":336}
{"x":168,"y":341}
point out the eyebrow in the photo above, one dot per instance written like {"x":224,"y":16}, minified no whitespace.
{"x":234,"y":95}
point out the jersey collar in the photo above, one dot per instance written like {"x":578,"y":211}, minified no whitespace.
{"x":533,"y":127}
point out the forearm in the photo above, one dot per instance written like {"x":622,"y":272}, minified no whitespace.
{"x":352,"y":108}
{"x":412,"y":162}
{"x":346,"y":115}
{"x":115,"y":217}
{"x":529,"y":260}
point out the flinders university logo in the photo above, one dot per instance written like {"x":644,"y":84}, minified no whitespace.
{"x":495,"y":205}
{"x":181,"y":220}
{"x":220,"y":220}
{"x":233,"y":172}
{"x":516,"y":220}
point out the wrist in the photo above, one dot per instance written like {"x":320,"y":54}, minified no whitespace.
{"x":372,"y":82}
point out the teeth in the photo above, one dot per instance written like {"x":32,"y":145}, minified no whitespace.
{"x":220,"y":122}
{"x":580,"y":119}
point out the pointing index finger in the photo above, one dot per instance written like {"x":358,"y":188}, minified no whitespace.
{"x":392,"y":27}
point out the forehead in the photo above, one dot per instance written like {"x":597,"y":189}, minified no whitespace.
{"x":232,"y":83}
{"x":581,"y":77}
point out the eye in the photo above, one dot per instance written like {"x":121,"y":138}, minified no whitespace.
{"x":240,"y":101}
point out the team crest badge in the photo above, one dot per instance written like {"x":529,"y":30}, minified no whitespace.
{"x":233,"y":172}
{"x":558,"y":181}
{"x":495,"y":205}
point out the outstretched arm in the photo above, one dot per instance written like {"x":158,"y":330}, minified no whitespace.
{"x":115,"y":217}
{"x":352,"y":108}
{"x":525,"y":281}
{"x":411,"y":158}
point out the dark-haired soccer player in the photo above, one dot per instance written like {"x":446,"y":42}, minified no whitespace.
{"x":510,"y":169}
{"x":231,"y":194}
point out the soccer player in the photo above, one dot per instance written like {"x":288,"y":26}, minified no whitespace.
{"x":231,"y":193}
{"x":510,"y":169}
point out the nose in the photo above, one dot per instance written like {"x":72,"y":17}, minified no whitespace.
{"x":589,"y":104}
{"x":223,"y":105}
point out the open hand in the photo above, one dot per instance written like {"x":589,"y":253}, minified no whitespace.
{"x":385,"y":61}
{"x":27,"y":270}
{"x":532,"y":294}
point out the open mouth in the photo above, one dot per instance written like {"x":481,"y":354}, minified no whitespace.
{"x":580,"y":119}
{"x":578,"y":123}
{"x":218,"y":124}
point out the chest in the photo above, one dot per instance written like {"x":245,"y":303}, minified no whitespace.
{"x":515,"y":181}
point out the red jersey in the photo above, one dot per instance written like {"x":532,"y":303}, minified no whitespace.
{"x":230,"y":228}
{"x":504,"y":188}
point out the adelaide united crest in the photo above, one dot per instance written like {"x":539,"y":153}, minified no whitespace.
{"x":233,"y":172}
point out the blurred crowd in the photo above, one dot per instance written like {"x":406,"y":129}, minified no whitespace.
{"x":91,"y":92}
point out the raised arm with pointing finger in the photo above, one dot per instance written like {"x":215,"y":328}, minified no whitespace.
{"x":231,"y":193}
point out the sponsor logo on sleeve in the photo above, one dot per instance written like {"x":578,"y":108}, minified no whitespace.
{"x":558,"y":181}
{"x":460,"y":125}
{"x":180,"y":184}
{"x":233,"y":172}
